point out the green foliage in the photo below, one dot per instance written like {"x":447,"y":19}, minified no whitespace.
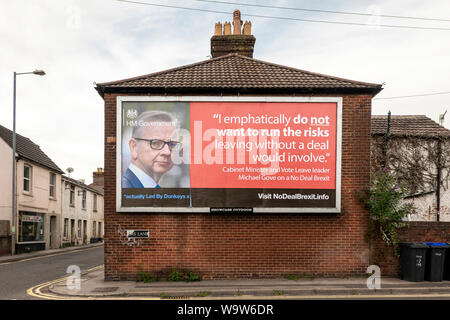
{"x":145,"y":277}
{"x":292,"y":277}
{"x":191,"y":277}
{"x":175,"y":275}
{"x":384,"y":199}
{"x":278,"y":292}
{"x":203,"y":294}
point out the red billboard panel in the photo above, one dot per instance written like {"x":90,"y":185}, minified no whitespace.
{"x":216,"y":154}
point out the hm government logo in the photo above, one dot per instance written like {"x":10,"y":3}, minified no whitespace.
{"x":132,"y":114}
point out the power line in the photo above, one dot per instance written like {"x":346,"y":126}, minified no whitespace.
{"x":286,"y":18}
{"x":415,"y":95}
{"x":324,"y":11}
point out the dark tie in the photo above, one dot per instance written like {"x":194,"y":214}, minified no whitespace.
{"x":157,"y":186}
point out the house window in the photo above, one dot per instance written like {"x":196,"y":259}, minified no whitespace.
{"x":27,"y":178}
{"x":66,"y":225}
{"x":79,"y":228}
{"x":99,"y":230}
{"x":83,"y":201}
{"x":93,"y":228}
{"x":95,"y":202}
{"x":72,"y":195}
{"x":31,"y":226}
{"x":52,"y":184}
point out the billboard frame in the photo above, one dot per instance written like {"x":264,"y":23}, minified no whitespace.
{"x":316,"y":99}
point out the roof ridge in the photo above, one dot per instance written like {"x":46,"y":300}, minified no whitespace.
{"x":236,"y":55}
{"x":312,"y":73}
{"x":168,"y":70}
{"x":27,"y":149}
{"x":19,"y":135}
{"x":78,"y":182}
{"x":409,"y":125}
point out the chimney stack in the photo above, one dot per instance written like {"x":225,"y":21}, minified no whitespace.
{"x":241,"y":41}
{"x":98,"y":177}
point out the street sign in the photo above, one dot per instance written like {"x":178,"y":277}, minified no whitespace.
{"x":138,"y":234}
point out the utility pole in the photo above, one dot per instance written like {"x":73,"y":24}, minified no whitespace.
{"x":438,"y":178}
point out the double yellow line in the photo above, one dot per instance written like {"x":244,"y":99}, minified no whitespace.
{"x":36,"y":290}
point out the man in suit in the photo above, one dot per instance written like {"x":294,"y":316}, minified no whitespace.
{"x":151,"y":147}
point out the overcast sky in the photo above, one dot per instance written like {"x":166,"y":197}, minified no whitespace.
{"x":81,"y":42}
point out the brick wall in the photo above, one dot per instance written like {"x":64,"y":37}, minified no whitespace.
{"x":257,"y":245}
{"x":418,"y":231}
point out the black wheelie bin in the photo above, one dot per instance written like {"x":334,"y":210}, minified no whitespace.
{"x":412,"y":260}
{"x":434,"y":267}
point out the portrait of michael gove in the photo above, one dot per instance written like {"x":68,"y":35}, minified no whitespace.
{"x":151,"y":146}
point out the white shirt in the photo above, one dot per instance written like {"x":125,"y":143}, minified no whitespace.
{"x":145,"y":179}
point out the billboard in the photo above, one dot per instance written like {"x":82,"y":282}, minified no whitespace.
{"x":228,"y":154}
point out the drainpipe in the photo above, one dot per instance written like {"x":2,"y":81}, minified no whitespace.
{"x":438,"y":188}
{"x":386,"y":140}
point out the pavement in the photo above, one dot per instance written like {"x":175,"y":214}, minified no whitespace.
{"x":92,"y":285}
{"x":42,"y":253}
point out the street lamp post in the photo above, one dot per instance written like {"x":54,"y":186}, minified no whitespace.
{"x":13,"y":221}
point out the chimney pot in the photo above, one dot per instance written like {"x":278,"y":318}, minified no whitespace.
{"x":241,"y":41}
{"x":218,"y":29}
{"x":247,"y":28}
{"x":227,"y":29}
{"x":237,"y":22}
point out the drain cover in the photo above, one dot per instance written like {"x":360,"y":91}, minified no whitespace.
{"x":105,"y":289}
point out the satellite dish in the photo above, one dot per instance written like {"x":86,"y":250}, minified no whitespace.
{"x":69,"y":170}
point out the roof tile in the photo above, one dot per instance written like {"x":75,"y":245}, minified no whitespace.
{"x":408,"y":125}
{"x":237,"y":71}
{"x":27,"y":149}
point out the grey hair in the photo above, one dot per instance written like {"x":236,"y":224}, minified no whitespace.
{"x":155,"y":116}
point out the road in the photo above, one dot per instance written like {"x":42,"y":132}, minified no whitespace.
{"x":17,"y":277}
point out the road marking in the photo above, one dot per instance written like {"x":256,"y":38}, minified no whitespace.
{"x":96,"y":268}
{"x":50,"y":255}
{"x":36,"y":292}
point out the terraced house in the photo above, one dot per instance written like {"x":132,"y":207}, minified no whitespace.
{"x":38,"y":190}
{"x":52,"y":210}
{"x":82,"y":212}
{"x":417,"y":149}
